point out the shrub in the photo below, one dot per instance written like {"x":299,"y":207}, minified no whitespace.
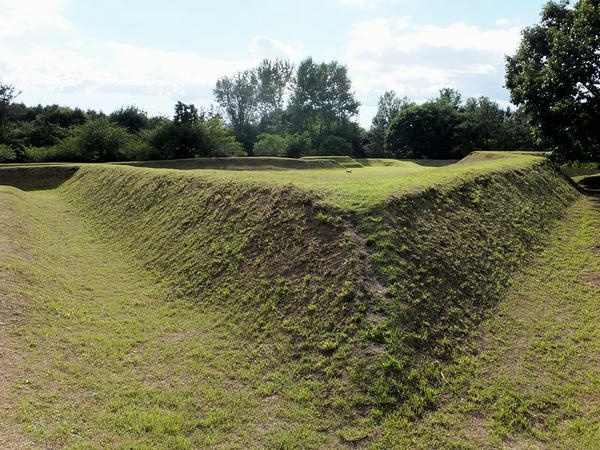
{"x":177,"y":140}
{"x":95,"y":141}
{"x":37,"y":154}
{"x":7,"y":154}
{"x":298,"y":145}
{"x":219,"y":140}
{"x":270,"y":145}
{"x":335,"y":146}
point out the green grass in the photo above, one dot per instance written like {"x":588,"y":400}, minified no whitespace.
{"x":277,"y":309}
{"x":361,"y":186}
{"x":533,"y":381}
{"x":365,"y":187}
{"x":114,"y":359}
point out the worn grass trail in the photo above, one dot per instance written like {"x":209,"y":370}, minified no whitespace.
{"x":535,"y":379}
{"x":106,"y":357}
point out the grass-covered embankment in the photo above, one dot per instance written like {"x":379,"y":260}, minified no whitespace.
{"x":346,"y":313}
{"x":533,"y":380}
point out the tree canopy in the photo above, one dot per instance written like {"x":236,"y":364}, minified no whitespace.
{"x":555,"y":75}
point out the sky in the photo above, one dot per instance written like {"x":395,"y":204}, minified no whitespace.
{"x":150,"y":53}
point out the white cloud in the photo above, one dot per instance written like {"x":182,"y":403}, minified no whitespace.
{"x":112,"y":74}
{"x":365,"y":4}
{"x":417,"y":60}
{"x":266,"y":47}
{"x":23,"y":16}
{"x":504,"y":22}
{"x":113,"y":64}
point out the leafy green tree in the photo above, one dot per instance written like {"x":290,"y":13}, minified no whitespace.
{"x":273,"y":80}
{"x":7,"y":94}
{"x":335,"y":146}
{"x":519,"y":134}
{"x":238,"y":96}
{"x":39,"y":132}
{"x":219,"y":139}
{"x":483,"y":126}
{"x":270,"y":145}
{"x":322,"y":97}
{"x":253,"y":98}
{"x":131,"y":117}
{"x":388,"y":107}
{"x":299,"y":145}
{"x":182,"y":137}
{"x":555,"y":76}
{"x":94,"y":141}
{"x":424,"y":131}
{"x":62,"y":116}
{"x":7,"y":154}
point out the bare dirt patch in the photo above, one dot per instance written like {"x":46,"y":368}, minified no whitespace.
{"x":593,"y":279}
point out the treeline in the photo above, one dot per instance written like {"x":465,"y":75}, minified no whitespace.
{"x":274,"y":109}
{"x":317,"y":117}
{"x":57,"y":133}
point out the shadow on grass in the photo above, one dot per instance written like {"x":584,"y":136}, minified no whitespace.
{"x":591,"y":183}
{"x":434,"y":162}
{"x":36,"y":178}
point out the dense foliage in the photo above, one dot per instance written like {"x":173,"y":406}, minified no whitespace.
{"x":555,"y":75}
{"x":448,"y":128}
{"x":273,"y":109}
{"x":56,"y":133}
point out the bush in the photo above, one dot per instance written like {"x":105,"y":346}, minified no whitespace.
{"x":270,"y":145}
{"x":298,"y":145}
{"x":37,"y":154}
{"x":132,"y":118}
{"x":173,"y":140}
{"x":425,"y":131}
{"x":219,"y":140}
{"x":335,"y":146}
{"x":7,"y":154}
{"x":97,"y":140}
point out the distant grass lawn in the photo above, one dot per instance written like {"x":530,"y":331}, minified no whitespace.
{"x":361,"y":188}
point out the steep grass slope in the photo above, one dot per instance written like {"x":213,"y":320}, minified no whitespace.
{"x":370,"y":304}
{"x":533,"y":381}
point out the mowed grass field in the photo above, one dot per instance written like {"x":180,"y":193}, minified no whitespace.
{"x":99,"y":351}
{"x":99,"y":354}
{"x":361,"y":188}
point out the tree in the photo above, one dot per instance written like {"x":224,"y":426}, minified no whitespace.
{"x":254,"y":98}
{"x":185,"y":115}
{"x":322,"y":96}
{"x":62,"y":116}
{"x":130,"y":117}
{"x":218,"y":138}
{"x":483,"y":126}
{"x":273,"y":80}
{"x":335,"y":146}
{"x":270,"y":145}
{"x":181,"y":138}
{"x":94,"y":141}
{"x":238,"y":96}
{"x":388,"y":107}
{"x":555,"y":76}
{"x":424,"y":131}
{"x":7,"y":94}
{"x":299,"y":145}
